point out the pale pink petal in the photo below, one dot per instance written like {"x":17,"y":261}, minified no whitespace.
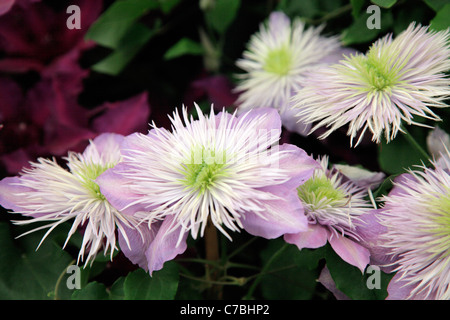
{"x":350,"y":251}
{"x":400,"y":290}
{"x":135,"y":241}
{"x":10,"y":193}
{"x":298,"y":163}
{"x":315,"y":237}
{"x":327,"y":281}
{"x":370,"y":229}
{"x":282,"y":216}
{"x":106,"y":145}
{"x":167,"y":244}
{"x":272,"y":118}
{"x":117,"y":190}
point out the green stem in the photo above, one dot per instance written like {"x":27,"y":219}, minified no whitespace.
{"x":255,"y":283}
{"x":245,"y":245}
{"x":415,"y":144}
{"x":331,"y":15}
{"x":61,"y":276}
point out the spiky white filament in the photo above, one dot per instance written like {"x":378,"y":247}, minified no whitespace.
{"x":418,"y":231}
{"x":301,"y":50}
{"x":339,"y":213}
{"x":247,"y":161}
{"x":394,"y":81}
{"x":58,"y":195}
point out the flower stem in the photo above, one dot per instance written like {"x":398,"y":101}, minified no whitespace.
{"x":58,"y":281}
{"x":212,"y":254}
{"x":415,"y":144}
{"x":255,"y":283}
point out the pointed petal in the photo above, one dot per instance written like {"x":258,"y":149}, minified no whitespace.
{"x":370,"y":229}
{"x":327,"y":281}
{"x":282,"y":216}
{"x":10,"y":193}
{"x":272,"y":118}
{"x":315,"y":237}
{"x":299,"y":165}
{"x":134,"y":242}
{"x":117,"y":190}
{"x":350,"y":251}
{"x":167,"y":244}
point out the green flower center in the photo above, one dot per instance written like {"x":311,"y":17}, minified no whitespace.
{"x":440,"y":223}
{"x":377,"y":70}
{"x":204,"y":168}
{"x":319,"y":191}
{"x":278,"y":61}
{"x":88,"y":173}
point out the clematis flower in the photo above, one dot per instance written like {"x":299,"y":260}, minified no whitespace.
{"x":278,"y":59}
{"x":396,"y":80}
{"x":413,"y":233}
{"x":220,"y":169}
{"x":438,"y":144}
{"x":48,"y":192}
{"x":334,"y":208}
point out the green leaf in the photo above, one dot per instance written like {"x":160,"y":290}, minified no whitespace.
{"x":357,"y":5}
{"x":93,"y":291}
{"x":168,"y":5}
{"x":116,"y":291}
{"x":162,"y":285}
{"x":436,"y":5}
{"x":441,"y":21}
{"x":222,"y":14}
{"x":398,"y":155}
{"x":384,"y":3}
{"x":128,"y":47}
{"x":306,"y":8}
{"x":292,"y":274}
{"x":351,"y":282}
{"x":358,"y":32}
{"x":117,"y":21}
{"x":29,"y":274}
{"x":184,"y":47}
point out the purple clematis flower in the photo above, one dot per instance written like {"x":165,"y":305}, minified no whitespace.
{"x":278,"y":61}
{"x":334,"y":206}
{"x":49,"y":193}
{"x":410,"y":234}
{"x":221,"y":169}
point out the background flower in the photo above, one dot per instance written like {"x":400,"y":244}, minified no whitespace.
{"x":277,"y":61}
{"x":397,"y":79}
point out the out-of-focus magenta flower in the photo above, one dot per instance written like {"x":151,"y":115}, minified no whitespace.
{"x":33,"y":35}
{"x":6,"y":5}
{"x":47,"y":119}
{"x":218,"y":89}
